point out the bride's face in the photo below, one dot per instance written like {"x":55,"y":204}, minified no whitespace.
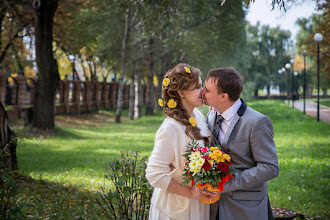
{"x":193,"y":97}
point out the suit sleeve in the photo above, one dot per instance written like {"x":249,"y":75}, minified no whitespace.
{"x":263,"y":150}
{"x":162,"y":155}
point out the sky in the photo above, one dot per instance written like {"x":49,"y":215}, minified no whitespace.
{"x":261,"y":10}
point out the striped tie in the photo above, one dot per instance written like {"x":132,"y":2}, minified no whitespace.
{"x":215,"y":133}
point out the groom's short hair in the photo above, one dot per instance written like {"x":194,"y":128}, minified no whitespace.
{"x":228,"y":81}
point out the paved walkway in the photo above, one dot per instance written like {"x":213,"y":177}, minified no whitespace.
{"x":311,"y":109}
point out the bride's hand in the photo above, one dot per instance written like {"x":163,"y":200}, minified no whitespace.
{"x":197,"y":193}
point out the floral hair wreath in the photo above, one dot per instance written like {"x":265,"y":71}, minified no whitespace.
{"x":171,"y":103}
{"x":167,"y":81}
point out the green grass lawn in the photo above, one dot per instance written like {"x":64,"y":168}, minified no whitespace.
{"x":67,"y":165}
{"x":326,"y":103}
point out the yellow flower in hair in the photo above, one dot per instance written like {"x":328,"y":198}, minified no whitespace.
{"x":166,"y":82}
{"x":193,"y":121}
{"x":160,"y":102}
{"x":171,"y":103}
{"x":187,"y":69}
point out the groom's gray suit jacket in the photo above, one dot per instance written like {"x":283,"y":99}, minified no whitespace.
{"x":249,"y":142}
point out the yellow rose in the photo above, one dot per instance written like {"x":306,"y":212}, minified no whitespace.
{"x":187,"y":69}
{"x":166,"y":82}
{"x":171,"y":103}
{"x":193,"y":121}
{"x":160,"y":102}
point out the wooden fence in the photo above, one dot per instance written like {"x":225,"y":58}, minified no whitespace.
{"x":72,"y":96}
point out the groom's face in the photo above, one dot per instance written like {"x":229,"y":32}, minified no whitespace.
{"x":210,"y":93}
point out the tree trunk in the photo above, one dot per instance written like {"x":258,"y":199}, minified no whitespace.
{"x":325,"y":92}
{"x":256,"y":92}
{"x":131,"y":97}
{"x":8,"y":142}
{"x":138,"y":91}
{"x":123,"y":65}
{"x":48,"y":78}
{"x":91,"y":71}
{"x":268,"y":91}
{"x":83,"y":67}
{"x":150,"y":77}
{"x":95,"y":73}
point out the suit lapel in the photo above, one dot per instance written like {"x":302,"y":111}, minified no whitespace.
{"x":233,"y":123}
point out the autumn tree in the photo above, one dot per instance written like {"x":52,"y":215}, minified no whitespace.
{"x":48,"y":77}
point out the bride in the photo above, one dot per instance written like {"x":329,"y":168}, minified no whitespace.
{"x":182,"y":88}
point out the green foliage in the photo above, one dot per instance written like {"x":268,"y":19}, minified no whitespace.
{"x":9,"y":209}
{"x":267,"y":48}
{"x":131,"y":196}
{"x":317,"y":23}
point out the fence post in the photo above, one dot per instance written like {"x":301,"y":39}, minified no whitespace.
{"x":114,"y":94}
{"x":76,"y":94}
{"x":65,"y":94}
{"x":104,"y":94}
{"x":97,"y":94}
{"x":21,"y":90}
{"x":33,"y":89}
{"x":87,"y":95}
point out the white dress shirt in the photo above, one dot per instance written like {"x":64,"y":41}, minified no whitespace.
{"x":228,"y":116}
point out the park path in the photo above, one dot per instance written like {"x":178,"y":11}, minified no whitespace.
{"x":311,"y":109}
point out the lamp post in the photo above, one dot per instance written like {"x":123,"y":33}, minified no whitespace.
{"x":292,"y":61}
{"x":318,"y":38}
{"x":295,"y":85}
{"x":304,"y":86}
{"x":288,"y":66}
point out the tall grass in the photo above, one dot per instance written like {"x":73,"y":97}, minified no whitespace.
{"x":73,"y":157}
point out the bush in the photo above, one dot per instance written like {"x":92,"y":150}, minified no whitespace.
{"x":9,"y":209}
{"x":130,"y":198}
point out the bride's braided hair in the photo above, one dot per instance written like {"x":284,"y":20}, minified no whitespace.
{"x":181,"y":80}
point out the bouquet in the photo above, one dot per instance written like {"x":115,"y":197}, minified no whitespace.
{"x":207,"y":167}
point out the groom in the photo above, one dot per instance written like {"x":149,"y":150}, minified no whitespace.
{"x":247,"y":136}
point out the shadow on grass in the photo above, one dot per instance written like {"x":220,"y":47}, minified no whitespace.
{"x":41,"y":199}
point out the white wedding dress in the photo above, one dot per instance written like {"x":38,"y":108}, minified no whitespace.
{"x":170,"y":145}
